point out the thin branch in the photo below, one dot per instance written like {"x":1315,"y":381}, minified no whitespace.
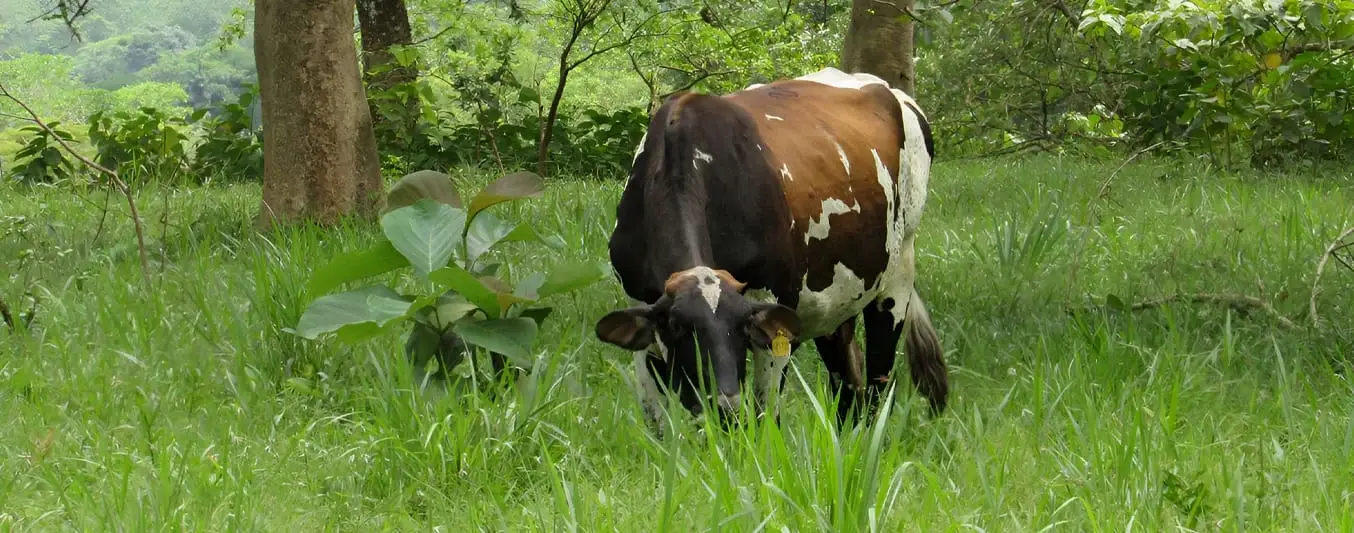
{"x":112,"y":176}
{"x":1331,"y":250}
{"x":1105,"y":187}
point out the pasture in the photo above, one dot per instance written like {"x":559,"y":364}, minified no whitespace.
{"x":186,"y":407}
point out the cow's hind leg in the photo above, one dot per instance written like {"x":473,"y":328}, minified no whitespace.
{"x":899,"y":307}
{"x":842,"y":356}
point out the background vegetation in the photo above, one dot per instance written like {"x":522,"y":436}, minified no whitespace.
{"x":1128,"y":207}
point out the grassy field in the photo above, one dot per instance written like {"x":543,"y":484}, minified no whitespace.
{"x":184,"y":406}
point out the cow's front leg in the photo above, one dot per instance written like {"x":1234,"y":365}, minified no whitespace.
{"x":651,"y":397}
{"x":768,"y":377}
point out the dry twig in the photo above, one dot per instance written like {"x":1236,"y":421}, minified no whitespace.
{"x":1331,"y":251}
{"x":112,"y":177}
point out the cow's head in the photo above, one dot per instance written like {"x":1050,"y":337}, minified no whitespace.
{"x":706,"y":307}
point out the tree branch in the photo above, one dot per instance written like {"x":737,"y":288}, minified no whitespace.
{"x":112,"y":177}
{"x":1335,"y":246}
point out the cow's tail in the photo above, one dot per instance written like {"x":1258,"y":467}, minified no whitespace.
{"x":925,"y":356}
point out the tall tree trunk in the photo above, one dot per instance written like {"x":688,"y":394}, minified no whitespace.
{"x":879,"y":41}
{"x":320,"y":160}
{"x":548,"y":125}
{"x":385,"y":24}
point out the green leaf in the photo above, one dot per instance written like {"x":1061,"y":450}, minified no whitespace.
{"x":1114,"y":302}
{"x":538,"y":314}
{"x":569,"y":277}
{"x":375,"y":305}
{"x":486,"y":231}
{"x":451,"y":307}
{"x":528,"y":289}
{"x":353,"y":266}
{"x":419,"y":185}
{"x":510,"y":187}
{"x":427,"y":233}
{"x":511,"y":337}
{"x":467,"y":285}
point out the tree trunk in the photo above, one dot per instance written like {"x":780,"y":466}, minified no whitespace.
{"x":320,"y":160}
{"x":384,"y":24}
{"x":548,"y":126}
{"x":879,"y":42}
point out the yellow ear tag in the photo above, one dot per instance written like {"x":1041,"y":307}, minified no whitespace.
{"x":780,"y":345}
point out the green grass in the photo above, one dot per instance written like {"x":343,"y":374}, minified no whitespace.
{"x":186,"y":407}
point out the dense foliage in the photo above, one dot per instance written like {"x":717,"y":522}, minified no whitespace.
{"x":1255,"y":82}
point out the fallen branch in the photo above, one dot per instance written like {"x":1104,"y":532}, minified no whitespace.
{"x":1335,"y":246}
{"x":112,"y":177}
{"x":1239,"y":302}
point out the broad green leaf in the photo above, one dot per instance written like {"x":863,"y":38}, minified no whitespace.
{"x":353,"y":266}
{"x":1114,"y":302}
{"x":486,"y":230}
{"x":450,"y":308}
{"x":427,"y":233}
{"x":376,"y":305}
{"x":419,"y":185}
{"x":469,"y":287}
{"x":511,"y":337}
{"x":510,"y":187}
{"x":538,"y":314}
{"x":570,"y":276}
{"x":525,"y":233}
{"x":528,"y":288}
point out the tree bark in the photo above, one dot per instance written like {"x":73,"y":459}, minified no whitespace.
{"x":320,"y":162}
{"x":548,"y":126}
{"x":879,"y":41}
{"x":385,"y":24}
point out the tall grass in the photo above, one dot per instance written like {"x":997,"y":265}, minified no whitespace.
{"x":186,"y":407}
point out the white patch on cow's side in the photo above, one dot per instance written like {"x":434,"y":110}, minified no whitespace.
{"x":773,"y":117}
{"x":785,"y":172}
{"x":846,"y":163}
{"x":821,"y":312}
{"x":761,"y":296}
{"x":820,"y":228}
{"x":759,"y":148}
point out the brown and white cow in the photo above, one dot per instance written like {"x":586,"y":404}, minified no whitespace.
{"x":788,"y":208}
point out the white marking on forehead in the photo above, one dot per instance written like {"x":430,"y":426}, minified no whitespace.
{"x":773,"y":117}
{"x":822,"y":227}
{"x":846,"y":163}
{"x":785,"y":172}
{"x":708,"y":283}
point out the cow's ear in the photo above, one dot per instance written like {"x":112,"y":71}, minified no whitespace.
{"x":632,"y":329}
{"x":765,"y":321}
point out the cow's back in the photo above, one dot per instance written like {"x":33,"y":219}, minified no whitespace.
{"x":838,"y":142}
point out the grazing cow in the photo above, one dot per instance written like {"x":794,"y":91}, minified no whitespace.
{"x":778,"y":213}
